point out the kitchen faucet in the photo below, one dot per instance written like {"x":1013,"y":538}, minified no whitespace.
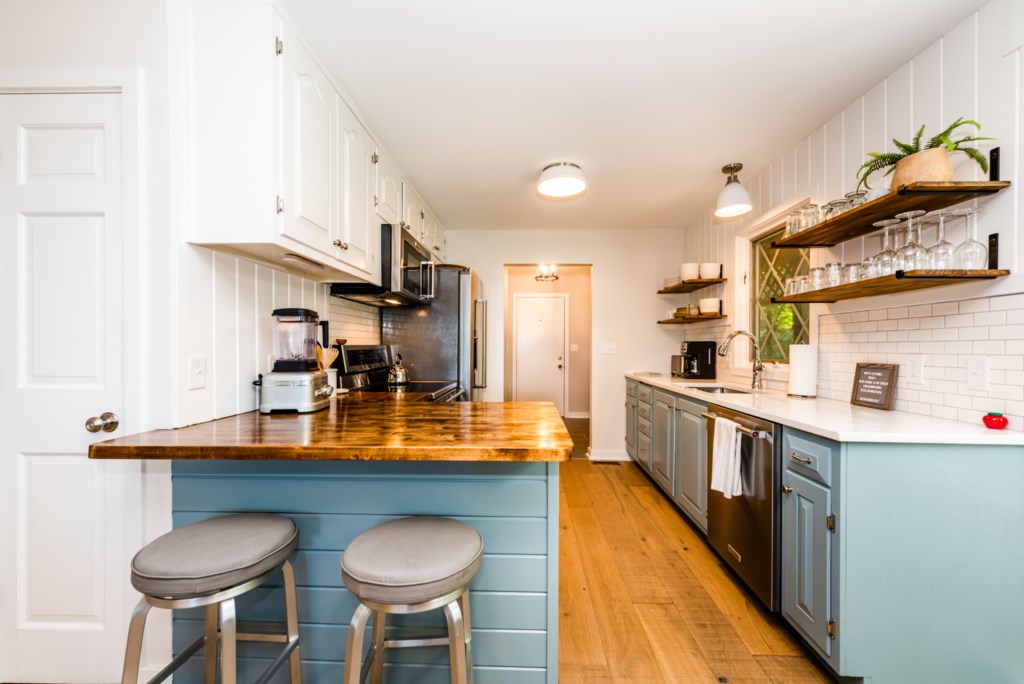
{"x":723,"y":350}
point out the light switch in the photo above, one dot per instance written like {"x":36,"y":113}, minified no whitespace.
{"x":196,"y":372}
{"x":608,"y":348}
{"x":574,"y":347}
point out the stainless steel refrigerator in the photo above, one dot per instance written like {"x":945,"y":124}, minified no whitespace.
{"x":447,"y":339}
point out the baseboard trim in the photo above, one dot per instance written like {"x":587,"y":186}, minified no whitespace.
{"x":607,"y":455}
{"x":577,"y":414}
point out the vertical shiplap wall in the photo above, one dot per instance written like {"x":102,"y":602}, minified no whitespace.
{"x":224,"y":313}
{"x":964,"y":73}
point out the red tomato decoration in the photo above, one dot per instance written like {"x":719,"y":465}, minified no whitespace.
{"x":996,"y":421}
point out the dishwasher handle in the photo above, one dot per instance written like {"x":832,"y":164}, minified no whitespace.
{"x":756,"y":434}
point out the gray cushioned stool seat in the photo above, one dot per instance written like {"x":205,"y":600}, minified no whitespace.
{"x":412,"y":560}
{"x":213,"y":554}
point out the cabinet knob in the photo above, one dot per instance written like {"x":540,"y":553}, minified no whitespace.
{"x":342,"y":245}
{"x":786,"y":489}
{"x":107,"y":422}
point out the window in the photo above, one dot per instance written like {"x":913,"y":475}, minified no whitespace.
{"x":777,"y":326}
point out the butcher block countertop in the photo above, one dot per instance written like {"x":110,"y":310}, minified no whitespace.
{"x":364,"y":427}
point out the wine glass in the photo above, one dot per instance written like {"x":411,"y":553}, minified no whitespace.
{"x":940,"y":255}
{"x":911,"y":255}
{"x":970,"y":254}
{"x":887,"y":257}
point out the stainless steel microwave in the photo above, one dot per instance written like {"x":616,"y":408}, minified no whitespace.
{"x":406,"y":273}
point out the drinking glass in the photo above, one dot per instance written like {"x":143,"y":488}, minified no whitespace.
{"x":856,"y":198}
{"x":817,"y":278}
{"x":809,"y":216}
{"x":834,"y":208}
{"x":803,"y":284}
{"x":851,"y":273}
{"x":833,"y":274}
{"x":970,"y":254}
{"x":792,"y":286}
{"x":940,"y":255}
{"x":887,"y":257}
{"x":793,"y":224}
{"x":869,"y":268}
{"x":911,"y":255}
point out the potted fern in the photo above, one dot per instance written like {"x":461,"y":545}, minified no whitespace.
{"x":930,"y":162}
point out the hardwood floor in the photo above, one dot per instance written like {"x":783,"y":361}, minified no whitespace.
{"x":642,"y":598}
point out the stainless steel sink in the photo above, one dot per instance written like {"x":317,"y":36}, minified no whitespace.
{"x":722,"y":390}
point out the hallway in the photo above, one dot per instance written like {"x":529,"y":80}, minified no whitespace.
{"x":642,"y":598}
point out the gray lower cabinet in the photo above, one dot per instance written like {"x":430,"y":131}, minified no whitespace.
{"x":690,"y":473}
{"x":631,"y":416}
{"x":809,"y":549}
{"x":663,"y":440}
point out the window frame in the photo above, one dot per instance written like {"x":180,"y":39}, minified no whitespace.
{"x":755,"y":295}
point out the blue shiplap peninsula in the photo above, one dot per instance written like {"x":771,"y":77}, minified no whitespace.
{"x":362,"y":462}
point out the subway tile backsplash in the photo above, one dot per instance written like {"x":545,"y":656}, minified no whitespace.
{"x":947,"y":336}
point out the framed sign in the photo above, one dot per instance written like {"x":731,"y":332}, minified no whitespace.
{"x":874,"y":385}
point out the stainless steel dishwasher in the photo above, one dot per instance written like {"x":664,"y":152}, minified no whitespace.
{"x":744,"y":530}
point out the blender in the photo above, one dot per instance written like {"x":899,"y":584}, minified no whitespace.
{"x":297,"y":384}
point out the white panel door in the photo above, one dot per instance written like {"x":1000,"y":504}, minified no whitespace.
{"x":539,"y":358}
{"x":309,"y":143}
{"x":63,"y":555}
{"x":355,"y":175}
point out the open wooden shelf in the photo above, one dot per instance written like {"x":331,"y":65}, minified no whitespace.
{"x":690,"y":285}
{"x":901,"y":281}
{"x":857,"y":222}
{"x":683,"y":320}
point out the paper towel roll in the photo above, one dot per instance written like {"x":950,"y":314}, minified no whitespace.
{"x":803,"y":370}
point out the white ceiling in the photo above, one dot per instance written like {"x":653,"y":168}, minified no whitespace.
{"x":650,"y":97}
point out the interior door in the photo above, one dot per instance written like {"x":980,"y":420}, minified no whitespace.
{"x":539,"y":354}
{"x":63,"y":552}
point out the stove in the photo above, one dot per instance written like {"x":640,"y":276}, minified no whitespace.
{"x":364,"y":368}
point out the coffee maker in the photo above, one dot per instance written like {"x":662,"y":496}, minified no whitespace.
{"x":695,"y":361}
{"x":296,"y":383}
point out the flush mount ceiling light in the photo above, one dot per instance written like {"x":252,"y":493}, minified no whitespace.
{"x":546,"y":273}
{"x":561,"y":180}
{"x":734,"y":200}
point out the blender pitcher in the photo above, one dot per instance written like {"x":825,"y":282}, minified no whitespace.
{"x":295,"y":333}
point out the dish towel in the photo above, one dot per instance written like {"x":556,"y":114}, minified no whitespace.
{"x":725,"y":459}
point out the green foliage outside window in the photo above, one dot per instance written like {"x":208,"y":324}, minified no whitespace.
{"x":777,"y":326}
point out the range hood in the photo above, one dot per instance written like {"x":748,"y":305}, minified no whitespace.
{"x":406,"y":273}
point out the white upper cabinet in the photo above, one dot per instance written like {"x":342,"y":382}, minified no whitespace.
{"x":433,"y":235}
{"x":358,"y":238}
{"x":388,"y":198}
{"x":412,"y":211}
{"x":309,"y":115}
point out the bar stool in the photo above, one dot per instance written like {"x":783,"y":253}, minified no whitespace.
{"x":209,"y":563}
{"x":411,"y":565}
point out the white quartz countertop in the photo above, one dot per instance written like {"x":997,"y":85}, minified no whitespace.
{"x":836,"y":420}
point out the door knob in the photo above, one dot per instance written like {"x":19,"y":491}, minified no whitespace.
{"x":559,"y":366}
{"x":107,"y":422}
{"x":786,"y":489}
{"x":559,"y":358}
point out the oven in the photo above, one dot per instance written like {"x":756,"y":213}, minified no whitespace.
{"x":364,"y":368}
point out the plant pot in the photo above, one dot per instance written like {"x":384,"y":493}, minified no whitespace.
{"x":927,"y":165}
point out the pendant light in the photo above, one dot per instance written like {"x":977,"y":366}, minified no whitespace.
{"x":546,"y":273}
{"x":734,"y":200}
{"x":561,"y":180}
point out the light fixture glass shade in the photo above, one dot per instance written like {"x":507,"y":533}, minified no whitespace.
{"x":734,"y":200}
{"x":561,"y":180}
{"x":546,"y":273}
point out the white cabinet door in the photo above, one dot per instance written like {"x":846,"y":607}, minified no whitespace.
{"x":355,"y":191}
{"x":309,"y":130}
{"x":388,"y":197}
{"x":70,"y":524}
{"x":433,"y":235}
{"x":412,"y":211}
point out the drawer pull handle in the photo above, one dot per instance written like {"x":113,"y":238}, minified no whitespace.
{"x":801,"y":459}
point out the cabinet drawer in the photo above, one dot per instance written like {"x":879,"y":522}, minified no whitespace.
{"x":809,"y":455}
{"x":630,"y":388}
{"x":644,"y":426}
{"x":644,"y":410}
{"x":646,"y":394}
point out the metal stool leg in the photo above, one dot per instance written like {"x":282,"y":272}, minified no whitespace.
{"x":464,"y":605}
{"x":456,"y":642}
{"x":212,"y":639}
{"x":292,"y":619}
{"x":380,"y":621}
{"x":228,"y":643}
{"x":354,"y":650}
{"x":133,"y":652}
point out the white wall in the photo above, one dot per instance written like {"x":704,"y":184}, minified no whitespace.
{"x":964,"y":73}
{"x":629,"y":267}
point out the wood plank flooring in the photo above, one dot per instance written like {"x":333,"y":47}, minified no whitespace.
{"x":643,"y":598}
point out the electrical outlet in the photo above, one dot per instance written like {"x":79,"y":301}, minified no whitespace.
{"x":196,"y":372}
{"x":913,"y":369}
{"x":825,"y":368}
{"x":978,"y":372}
{"x":574,"y":347}
{"x":608,"y":348}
